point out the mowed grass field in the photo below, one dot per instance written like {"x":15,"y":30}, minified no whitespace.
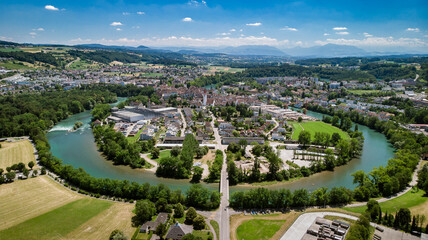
{"x":417,"y":202}
{"x":314,"y":127}
{"x":258,"y":229}
{"x":39,"y":208}
{"x":271,"y":226}
{"x":16,"y":152}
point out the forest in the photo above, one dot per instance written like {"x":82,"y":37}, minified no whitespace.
{"x":32,"y":57}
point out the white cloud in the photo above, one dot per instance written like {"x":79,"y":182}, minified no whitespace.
{"x":342,"y":33}
{"x":79,"y":40}
{"x":189,"y":41}
{"x":39,"y":29}
{"x":197,"y":3}
{"x":223,"y":34}
{"x":6,"y":38}
{"x":232,"y":30}
{"x":33,"y":33}
{"x":240,"y":30}
{"x":377,"y":42}
{"x":50,"y":7}
{"x":187,"y":19}
{"x":340,"y":28}
{"x":254,"y":24}
{"x":125,"y":13}
{"x":326,"y":34}
{"x":413,"y":30}
{"x":367,"y":35}
{"x":141,"y":13}
{"x":287,"y":28}
{"x":118,"y":29}
{"x":116,"y":24}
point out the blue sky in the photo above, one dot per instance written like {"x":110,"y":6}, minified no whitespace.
{"x":372,"y":25}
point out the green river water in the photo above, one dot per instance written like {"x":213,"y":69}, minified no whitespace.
{"x":79,"y":150}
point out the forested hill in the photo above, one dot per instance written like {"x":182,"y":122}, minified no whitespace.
{"x":367,"y":72}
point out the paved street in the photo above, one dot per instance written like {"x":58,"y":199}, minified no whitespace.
{"x":223,"y":212}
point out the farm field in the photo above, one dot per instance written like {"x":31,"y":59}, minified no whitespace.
{"x":16,"y":152}
{"x":314,"y":127}
{"x":118,"y":216}
{"x":26,"y":199}
{"x":12,"y":66}
{"x":214,"y":69}
{"x":58,"y":222}
{"x":417,"y":202}
{"x":29,"y":208}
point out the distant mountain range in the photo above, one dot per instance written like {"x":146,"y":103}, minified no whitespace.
{"x":324,"y":51}
{"x":328,"y":50}
{"x":110,"y":47}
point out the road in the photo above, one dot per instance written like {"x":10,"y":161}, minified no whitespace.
{"x":183,"y":129}
{"x":276,"y":125}
{"x":69,"y":64}
{"x":224,"y":211}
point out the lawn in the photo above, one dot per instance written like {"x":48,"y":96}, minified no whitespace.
{"x":216,"y":227}
{"x":202,"y":234}
{"x":361,"y":92}
{"x":57,"y":223}
{"x":136,"y":137}
{"x":16,"y":152}
{"x":314,"y":127}
{"x":412,"y":200}
{"x":163,"y":154}
{"x":259,"y":229}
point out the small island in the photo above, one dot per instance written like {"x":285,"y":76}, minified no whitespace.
{"x":77,"y":125}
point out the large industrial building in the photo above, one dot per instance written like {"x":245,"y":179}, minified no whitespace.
{"x":135,"y":114}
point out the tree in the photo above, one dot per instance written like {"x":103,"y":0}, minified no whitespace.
{"x":21,"y":167}
{"x":117,"y":235}
{"x":26,"y":172}
{"x":155,"y":153}
{"x":197,"y":174}
{"x":403,"y":218}
{"x":257,"y":150}
{"x":335,"y":137}
{"x":374,"y":210}
{"x":300,"y":119}
{"x":335,"y":121}
{"x":190,"y":215}
{"x":243,"y":143}
{"x":175,"y":151}
{"x":144,"y":210}
{"x":10,"y":176}
{"x":178,"y":211}
{"x":161,"y":230}
{"x":304,"y":137}
{"x":199,"y":222}
{"x":31,"y":165}
{"x":161,"y":205}
{"x":329,"y":159}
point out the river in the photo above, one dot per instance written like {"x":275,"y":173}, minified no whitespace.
{"x":79,"y":150}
